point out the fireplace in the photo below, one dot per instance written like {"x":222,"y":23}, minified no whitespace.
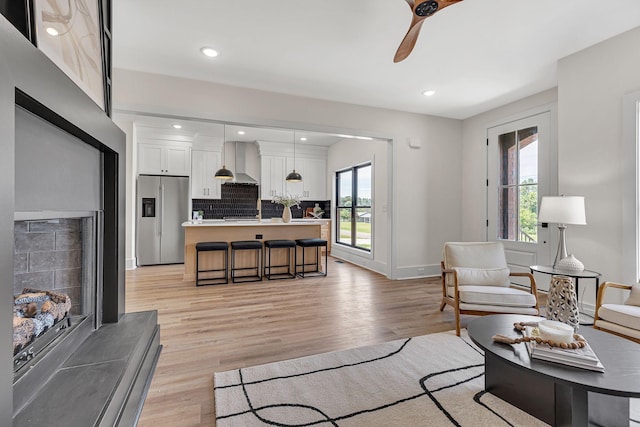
{"x":93,"y":365}
{"x":62,"y":173}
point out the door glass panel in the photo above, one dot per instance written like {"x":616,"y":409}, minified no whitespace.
{"x":518,"y":192}
{"x":508,"y":219}
{"x":528,"y":231}
{"x":508,"y":158}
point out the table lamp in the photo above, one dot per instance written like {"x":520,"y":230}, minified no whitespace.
{"x":563,"y":210}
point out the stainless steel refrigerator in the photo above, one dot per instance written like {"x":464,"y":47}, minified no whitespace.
{"x":163,"y":205}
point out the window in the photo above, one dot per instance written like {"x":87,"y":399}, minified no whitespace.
{"x":353,"y":207}
{"x":518,"y":187}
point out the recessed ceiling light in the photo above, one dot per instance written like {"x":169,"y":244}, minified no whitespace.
{"x":303,"y":138}
{"x":210,"y":52}
{"x":177,"y":126}
{"x":240,"y":132}
{"x":429,"y":92}
{"x":52,"y":31}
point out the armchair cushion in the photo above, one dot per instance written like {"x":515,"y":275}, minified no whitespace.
{"x":483,"y":277}
{"x":494,"y":295}
{"x":624,"y":315}
{"x":634,"y":297}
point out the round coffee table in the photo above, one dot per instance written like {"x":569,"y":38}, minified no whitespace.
{"x":555,"y":393}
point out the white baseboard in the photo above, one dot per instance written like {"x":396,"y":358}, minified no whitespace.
{"x":418,"y":272}
{"x":367,"y":263}
{"x":131,"y":264}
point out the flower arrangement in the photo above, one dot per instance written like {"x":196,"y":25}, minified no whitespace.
{"x":287,"y":201}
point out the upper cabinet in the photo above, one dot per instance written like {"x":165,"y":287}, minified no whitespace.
{"x":314,"y":178}
{"x":277,"y":160}
{"x":272,"y":175}
{"x":157,"y":158}
{"x":204,"y":165}
{"x":163,"y":152}
{"x":206,"y":159}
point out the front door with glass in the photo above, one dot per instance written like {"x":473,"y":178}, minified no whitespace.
{"x":518,"y":177}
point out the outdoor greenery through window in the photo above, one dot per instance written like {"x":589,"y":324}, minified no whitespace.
{"x":353,"y":207}
{"x":518,"y":193}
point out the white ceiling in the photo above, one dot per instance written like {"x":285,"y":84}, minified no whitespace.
{"x":477,"y":54}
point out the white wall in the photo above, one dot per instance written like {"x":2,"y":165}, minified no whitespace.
{"x":591,"y":86}
{"x":426,"y":182}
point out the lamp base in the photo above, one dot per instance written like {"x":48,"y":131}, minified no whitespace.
{"x":562,"y":246}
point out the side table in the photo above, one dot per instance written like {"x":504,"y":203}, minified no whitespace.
{"x":575,"y":275}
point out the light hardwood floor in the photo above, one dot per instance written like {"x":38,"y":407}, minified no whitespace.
{"x":218,"y":328}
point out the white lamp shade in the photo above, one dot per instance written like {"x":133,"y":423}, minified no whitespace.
{"x":562,"y":210}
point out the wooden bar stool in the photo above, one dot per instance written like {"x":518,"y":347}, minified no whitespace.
{"x":246,"y":245}
{"x":212,"y":247}
{"x":312,"y":243}
{"x":270,"y":245}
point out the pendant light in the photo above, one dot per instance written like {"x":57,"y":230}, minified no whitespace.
{"x":293,"y":175}
{"x":224,"y":173}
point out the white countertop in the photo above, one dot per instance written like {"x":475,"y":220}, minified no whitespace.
{"x":252,"y":223}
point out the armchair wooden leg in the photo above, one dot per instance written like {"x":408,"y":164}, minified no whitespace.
{"x":443,"y":304}
{"x":457,"y":321}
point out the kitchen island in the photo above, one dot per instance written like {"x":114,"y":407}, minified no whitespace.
{"x":218,"y":230}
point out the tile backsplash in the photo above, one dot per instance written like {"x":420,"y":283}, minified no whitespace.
{"x":240,"y":200}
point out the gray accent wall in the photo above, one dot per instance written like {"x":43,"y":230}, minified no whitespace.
{"x":54,"y":170}
{"x":26,"y":70}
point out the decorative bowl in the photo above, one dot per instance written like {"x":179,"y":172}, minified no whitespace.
{"x":555,"y":331}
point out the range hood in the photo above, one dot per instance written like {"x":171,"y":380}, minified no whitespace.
{"x":241,"y":176}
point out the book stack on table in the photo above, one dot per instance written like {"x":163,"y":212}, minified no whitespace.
{"x":584,"y":357}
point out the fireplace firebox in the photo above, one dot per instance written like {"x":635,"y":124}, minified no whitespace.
{"x":56,"y":279}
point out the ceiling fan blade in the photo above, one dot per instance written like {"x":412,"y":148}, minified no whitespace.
{"x":421,"y":11}
{"x":409,"y":41}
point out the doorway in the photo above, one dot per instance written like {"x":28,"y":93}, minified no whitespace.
{"x":518,"y":176}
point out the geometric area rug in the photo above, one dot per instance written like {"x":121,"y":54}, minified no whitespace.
{"x":430,"y":380}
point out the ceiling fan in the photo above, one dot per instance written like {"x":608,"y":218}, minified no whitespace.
{"x":421,"y":11}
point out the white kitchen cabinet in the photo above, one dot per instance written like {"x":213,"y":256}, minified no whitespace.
{"x":314,"y":178}
{"x":157,"y":158}
{"x":204,"y":165}
{"x":272,"y":175}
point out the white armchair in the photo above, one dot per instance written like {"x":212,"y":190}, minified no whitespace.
{"x":620,"y":319}
{"x":475,"y":280}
